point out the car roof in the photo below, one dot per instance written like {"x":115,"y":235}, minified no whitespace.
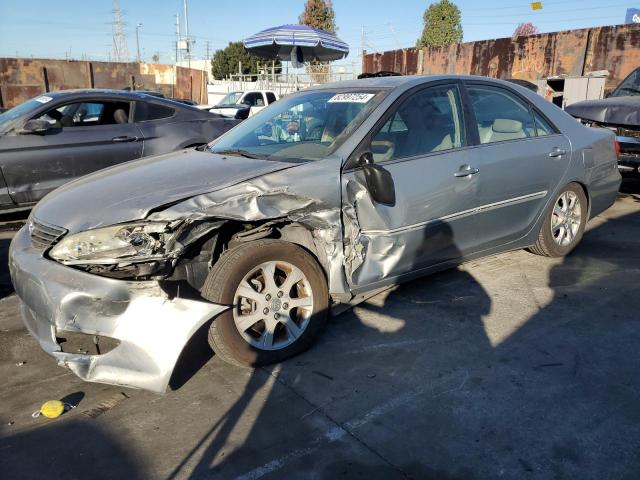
{"x":400,"y":81}
{"x":89,"y":92}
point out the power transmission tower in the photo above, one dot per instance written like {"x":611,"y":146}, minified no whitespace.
{"x":120,"y":49}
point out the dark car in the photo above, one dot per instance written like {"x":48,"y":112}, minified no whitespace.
{"x":186,"y":101}
{"x":56,"y":137}
{"x":524,"y":83}
{"x":620,"y":113}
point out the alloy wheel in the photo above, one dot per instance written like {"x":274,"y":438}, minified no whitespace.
{"x":273,"y":305}
{"x":566,"y":218}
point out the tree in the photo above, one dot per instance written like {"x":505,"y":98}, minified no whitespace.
{"x":156,"y":57}
{"x":442,"y":25}
{"x":225,"y":62}
{"x":319,"y":14}
{"x":524,"y":29}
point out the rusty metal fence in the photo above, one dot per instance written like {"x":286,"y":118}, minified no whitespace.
{"x":615,"y":48}
{"x":21,"y":79}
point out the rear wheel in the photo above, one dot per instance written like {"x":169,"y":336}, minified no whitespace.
{"x":279,"y":297}
{"x":564,"y":224}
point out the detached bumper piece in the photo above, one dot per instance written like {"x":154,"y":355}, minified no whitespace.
{"x":148,"y":329}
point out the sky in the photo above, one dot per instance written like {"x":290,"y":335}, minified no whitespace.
{"x":77,"y":29}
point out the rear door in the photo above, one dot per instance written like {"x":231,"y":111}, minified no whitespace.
{"x":86,"y":136}
{"x":520,"y":160}
{"x":156,"y":122}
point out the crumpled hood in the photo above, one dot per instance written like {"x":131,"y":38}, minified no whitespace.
{"x":131,"y":190}
{"x":614,"y":110}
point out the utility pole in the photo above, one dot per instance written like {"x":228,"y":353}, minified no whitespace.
{"x":362,"y":51}
{"x":186,"y":32}
{"x":138,"y":39}
{"x":177,"y":39}
{"x":208,"y":45}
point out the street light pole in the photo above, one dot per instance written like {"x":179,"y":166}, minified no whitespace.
{"x":138,"y":40}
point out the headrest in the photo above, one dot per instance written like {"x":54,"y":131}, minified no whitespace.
{"x":503,"y":125}
{"x":120,"y":116}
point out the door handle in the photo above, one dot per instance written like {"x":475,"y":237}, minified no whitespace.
{"x":557,"y":152}
{"x":124,"y":139}
{"x":466,"y":171}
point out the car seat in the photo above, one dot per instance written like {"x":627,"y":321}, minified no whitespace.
{"x":120,"y":116}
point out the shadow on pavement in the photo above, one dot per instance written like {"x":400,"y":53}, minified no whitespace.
{"x":65,"y":450}
{"x":557,"y":398}
{"x":428,"y":393}
{"x":9,"y":223}
{"x":6,"y":288}
{"x":631,"y":187}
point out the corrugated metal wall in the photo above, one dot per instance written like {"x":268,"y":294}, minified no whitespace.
{"x":574,"y":52}
{"x":21,"y":79}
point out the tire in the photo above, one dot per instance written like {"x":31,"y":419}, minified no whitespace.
{"x":281,"y":329}
{"x":568,"y":227}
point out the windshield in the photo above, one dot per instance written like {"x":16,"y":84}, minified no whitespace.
{"x":230,"y":98}
{"x":629,"y":87}
{"x":306,"y":126}
{"x":21,"y":110}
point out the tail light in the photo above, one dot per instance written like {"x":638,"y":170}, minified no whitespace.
{"x":617,"y":147}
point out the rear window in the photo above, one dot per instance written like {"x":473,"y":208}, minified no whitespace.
{"x":146,"y":111}
{"x":271,"y":97}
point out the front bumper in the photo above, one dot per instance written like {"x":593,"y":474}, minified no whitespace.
{"x":152,"y":328}
{"x":629,"y":154}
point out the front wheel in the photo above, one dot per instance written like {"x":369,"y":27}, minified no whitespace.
{"x":279,"y":299}
{"x":564,"y":223}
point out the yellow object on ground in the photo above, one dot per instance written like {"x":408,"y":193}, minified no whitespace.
{"x":52,"y":408}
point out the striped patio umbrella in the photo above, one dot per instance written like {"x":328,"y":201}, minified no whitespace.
{"x":296,"y":43}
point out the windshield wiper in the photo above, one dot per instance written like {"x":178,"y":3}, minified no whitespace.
{"x":240,"y":152}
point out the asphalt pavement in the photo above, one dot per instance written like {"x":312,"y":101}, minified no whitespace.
{"x":514,"y":366}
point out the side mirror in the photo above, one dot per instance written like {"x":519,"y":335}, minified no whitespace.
{"x":242,"y":112}
{"x":35,"y":126}
{"x":379,"y":181}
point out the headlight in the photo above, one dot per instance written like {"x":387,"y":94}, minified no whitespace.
{"x":121,"y":243}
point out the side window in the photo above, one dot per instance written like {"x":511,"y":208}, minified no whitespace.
{"x":427,"y":121}
{"x":252,"y":98}
{"x":152,"y":111}
{"x":629,"y":86}
{"x":394,"y":124}
{"x":542,"y":126}
{"x":85,"y":114}
{"x":271,"y":97}
{"x":500,"y":115}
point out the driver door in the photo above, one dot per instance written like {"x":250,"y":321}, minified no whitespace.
{"x":422,"y":143}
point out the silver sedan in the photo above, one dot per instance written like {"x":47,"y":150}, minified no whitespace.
{"x":317,"y":201}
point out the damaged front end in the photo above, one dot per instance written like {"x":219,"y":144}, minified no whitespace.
{"x":148,"y":324}
{"x":621,"y":115}
{"x":138,"y":250}
{"x":136,"y":284}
